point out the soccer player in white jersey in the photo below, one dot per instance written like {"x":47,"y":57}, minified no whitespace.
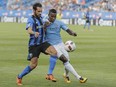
{"x":53,"y":28}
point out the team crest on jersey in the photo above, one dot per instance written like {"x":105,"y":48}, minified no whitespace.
{"x":56,"y":25}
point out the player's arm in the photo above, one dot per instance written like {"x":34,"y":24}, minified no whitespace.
{"x":30,"y":31}
{"x":29,"y":27}
{"x":47,"y":23}
{"x":70,"y":32}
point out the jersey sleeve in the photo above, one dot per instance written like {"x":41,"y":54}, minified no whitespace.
{"x":29,"y":23}
{"x":63,"y":26}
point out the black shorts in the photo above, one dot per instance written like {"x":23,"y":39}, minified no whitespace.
{"x":34,"y":51}
{"x":87,"y":21}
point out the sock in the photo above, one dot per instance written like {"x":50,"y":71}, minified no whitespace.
{"x":85,"y":25}
{"x":69,"y":67}
{"x":66,"y":72}
{"x":53,"y":60}
{"x":25,"y":72}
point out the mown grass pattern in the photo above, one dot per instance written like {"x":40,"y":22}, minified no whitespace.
{"x":94,"y":58}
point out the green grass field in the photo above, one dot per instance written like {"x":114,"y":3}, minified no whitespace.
{"x":94,"y":58}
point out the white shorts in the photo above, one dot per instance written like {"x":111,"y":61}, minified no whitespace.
{"x":61,"y":50}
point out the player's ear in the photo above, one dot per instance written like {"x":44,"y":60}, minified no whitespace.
{"x":33,"y":11}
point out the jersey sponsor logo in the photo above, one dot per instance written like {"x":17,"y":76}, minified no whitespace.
{"x":105,"y":22}
{"x":41,"y":26}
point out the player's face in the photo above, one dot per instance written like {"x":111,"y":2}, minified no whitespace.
{"x":52,"y":17}
{"x":38,"y":11}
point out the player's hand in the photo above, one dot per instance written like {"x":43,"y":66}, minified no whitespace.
{"x":47,"y":23}
{"x":70,"y":32}
{"x":36,"y":34}
{"x":74,"y":34}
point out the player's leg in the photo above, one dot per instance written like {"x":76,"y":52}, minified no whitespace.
{"x":48,"y":49}
{"x":66,"y":76}
{"x":23,"y":73}
{"x":69,"y":67}
{"x":88,"y":24}
{"x":33,"y":58}
{"x":27,"y":70}
{"x":52,"y":63}
{"x":66,"y":71}
{"x":85,"y":25}
{"x":64,"y":57}
{"x":33,"y":64}
{"x":52,"y":51}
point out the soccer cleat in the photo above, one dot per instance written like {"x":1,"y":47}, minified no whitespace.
{"x":50,"y":77}
{"x":83,"y":80}
{"x":18,"y":81}
{"x":66,"y":78}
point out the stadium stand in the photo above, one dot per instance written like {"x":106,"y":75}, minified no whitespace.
{"x":3,"y":4}
{"x":103,"y":6}
{"x":102,"y":12}
{"x":72,"y":5}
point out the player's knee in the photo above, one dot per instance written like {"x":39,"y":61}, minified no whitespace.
{"x":33,"y":66}
{"x":51,"y":50}
{"x":33,"y":63}
{"x":54,"y":52}
{"x":63,"y":59}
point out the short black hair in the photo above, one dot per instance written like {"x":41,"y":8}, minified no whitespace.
{"x":52,"y":11}
{"x":36,"y":5}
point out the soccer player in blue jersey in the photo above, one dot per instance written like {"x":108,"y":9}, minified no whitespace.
{"x":87,"y":17}
{"x":37,"y":42}
{"x":54,"y":38}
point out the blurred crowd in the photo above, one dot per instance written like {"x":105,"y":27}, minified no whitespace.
{"x":104,"y":5}
{"x":60,"y":5}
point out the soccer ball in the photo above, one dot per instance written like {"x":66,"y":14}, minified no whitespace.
{"x":70,"y":46}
